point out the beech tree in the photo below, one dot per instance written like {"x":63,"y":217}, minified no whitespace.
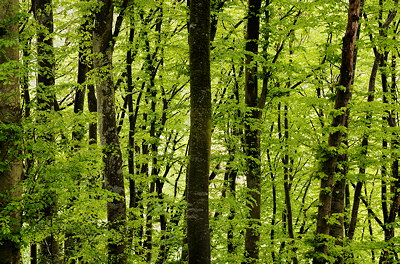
{"x":112,"y":156}
{"x":252,"y":134}
{"x":10,"y":135}
{"x":46,"y":103}
{"x":200,"y":133}
{"x":278,"y":76}
{"x":335,"y":147}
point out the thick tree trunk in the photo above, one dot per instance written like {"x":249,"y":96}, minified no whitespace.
{"x":10,"y":115}
{"x":198,"y":233}
{"x":252,"y":134}
{"x":329,"y":165}
{"x":112,"y":158}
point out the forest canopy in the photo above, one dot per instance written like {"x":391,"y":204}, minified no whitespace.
{"x":222,"y":131}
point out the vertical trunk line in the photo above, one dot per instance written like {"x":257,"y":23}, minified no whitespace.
{"x":112,"y":156}
{"x":252,"y":133}
{"x":331,"y":159}
{"x":198,"y":234}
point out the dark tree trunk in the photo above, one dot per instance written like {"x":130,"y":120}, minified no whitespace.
{"x":287,"y":181}
{"x":27,"y":113}
{"x":10,"y":115}
{"x":84,"y":65}
{"x":112,"y":158}
{"x":232,"y":171}
{"x":198,"y":233}
{"x":364,"y":146}
{"x":92,"y":106}
{"x":337,"y":209}
{"x":329,"y":165}
{"x":43,"y":12}
{"x":252,"y":134}
{"x":133,"y":201}
{"x":72,"y":244}
{"x":387,"y":255}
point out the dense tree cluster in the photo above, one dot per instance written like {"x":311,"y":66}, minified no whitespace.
{"x":222,"y":131}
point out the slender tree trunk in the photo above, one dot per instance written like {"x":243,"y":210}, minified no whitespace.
{"x":84,"y":65}
{"x":232,"y":171}
{"x":92,"y":106}
{"x":133,"y":203}
{"x":10,"y":115}
{"x":27,"y":113}
{"x":112,"y":157}
{"x":198,"y":233}
{"x":287,"y":181}
{"x":274,"y":207}
{"x":387,"y":255}
{"x":252,"y":134}
{"x":364,"y":146}
{"x":72,"y":243}
{"x":152,"y":92}
{"x":329,"y":166}
{"x":43,"y":12}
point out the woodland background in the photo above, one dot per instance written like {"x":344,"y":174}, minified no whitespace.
{"x":55,"y":208}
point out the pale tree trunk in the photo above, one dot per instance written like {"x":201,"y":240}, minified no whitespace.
{"x":10,"y":115}
{"x":331,"y":159}
{"x":112,"y":157}
{"x":198,"y":235}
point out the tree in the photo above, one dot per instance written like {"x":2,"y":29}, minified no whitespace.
{"x":112,"y":156}
{"x":335,"y":146}
{"x":252,"y":133}
{"x":277,"y":93}
{"x":10,"y":134}
{"x":46,"y":103}
{"x":198,"y":234}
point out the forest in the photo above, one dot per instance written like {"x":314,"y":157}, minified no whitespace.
{"x":199,"y":131}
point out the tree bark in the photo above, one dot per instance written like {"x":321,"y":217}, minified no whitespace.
{"x":390,"y":214}
{"x":198,"y":234}
{"x":252,"y":134}
{"x":329,"y":165}
{"x":10,"y":115}
{"x":43,"y":13}
{"x":112,"y":157}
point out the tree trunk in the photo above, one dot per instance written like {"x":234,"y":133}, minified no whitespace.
{"x":112,"y":157}
{"x":252,"y":134}
{"x":198,"y":234}
{"x":43,"y":13}
{"x":72,"y":244}
{"x":10,"y":115}
{"x":390,"y":216}
{"x":329,"y":165}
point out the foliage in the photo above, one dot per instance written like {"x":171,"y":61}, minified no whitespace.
{"x":299,"y":60}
